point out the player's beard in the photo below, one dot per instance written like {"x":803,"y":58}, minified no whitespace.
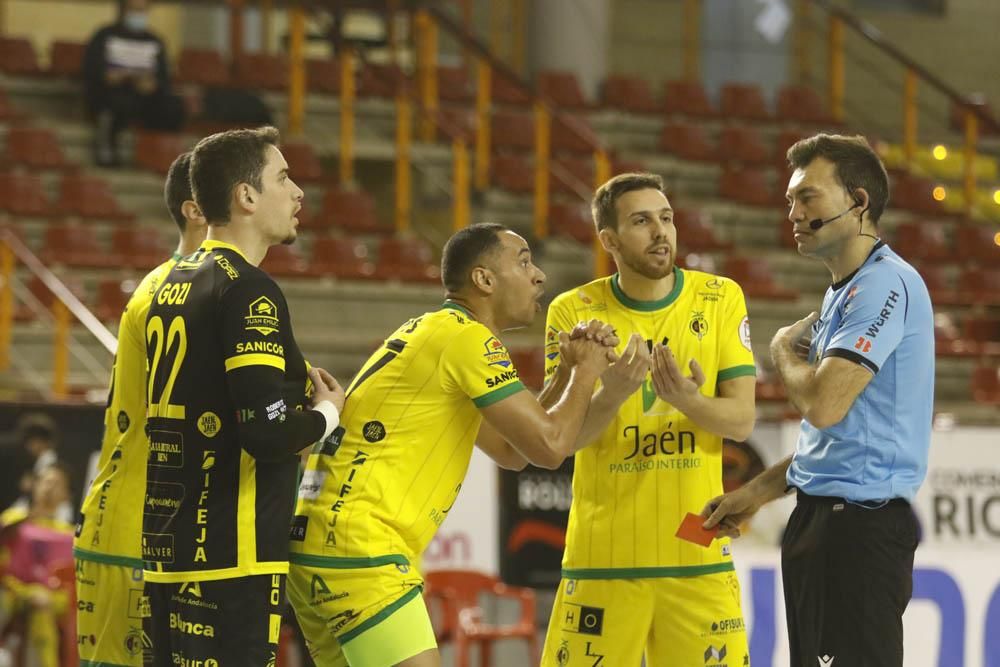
{"x":642,"y":265}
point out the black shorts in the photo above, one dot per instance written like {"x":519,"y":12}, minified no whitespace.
{"x":220,"y":623}
{"x":848,"y":576}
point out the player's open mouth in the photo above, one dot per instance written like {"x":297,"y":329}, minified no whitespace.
{"x":660,"y":251}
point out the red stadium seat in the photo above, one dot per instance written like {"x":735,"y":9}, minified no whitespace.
{"x":504,"y":92}
{"x":379,"y":80}
{"x":687,"y":98}
{"x":345,"y":258}
{"x":456,"y":122}
{"x":785,"y":140}
{"x":562,"y":89}
{"x":513,"y":130}
{"x":573,"y":134}
{"x":571,"y":221}
{"x":285,"y":260}
{"x":984,"y":331}
{"x":530,"y":365}
{"x":350,"y":210}
{"x":985,"y":385}
{"x":978,"y":242}
{"x":303,"y":163}
{"x":739,"y":100}
{"x":572,"y":176}
{"x":687,"y":141}
{"x":406,"y":260}
{"x":803,"y":104}
{"x":629,"y":93}
{"x":139,"y":247}
{"x":7,"y":111}
{"x":261,"y":71}
{"x":41,"y":294}
{"x":156,"y":151}
{"x":936,"y":279}
{"x":454,"y":84}
{"x":513,"y":173}
{"x":22,"y":194}
{"x":742,"y":144}
{"x":112,"y":296}
{"x":323,"y":75}
{"x":755,"y":277}
{"x":66,"y":58}
{"x":17,"y":57}
{"x":976,"y":285}
{"x":88,"y":197}
{"x":35,"y":147}
{"x":921,"y":241}
{"x":915,"y":194}
{"x":747,"y":186}
{"x":76,"y":246}
{"x":696,"y":232}
{"x":204,"y":67}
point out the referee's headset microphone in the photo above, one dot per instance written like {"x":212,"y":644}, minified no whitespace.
{"x":819,"y":222}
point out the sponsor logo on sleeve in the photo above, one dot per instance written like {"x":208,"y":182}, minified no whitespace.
{"x":496,"y":353}
{"x":745,"y":333}
{"x":263,"y":316}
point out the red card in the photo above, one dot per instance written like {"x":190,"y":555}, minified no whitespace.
{"x":691,"y":530}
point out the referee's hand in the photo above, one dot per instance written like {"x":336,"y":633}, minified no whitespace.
{"x":730,"y":511}
{"x":327,"y":388}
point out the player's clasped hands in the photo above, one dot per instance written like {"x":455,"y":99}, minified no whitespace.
{"x":327,"y":388}
{"x":583,"y":337}
{"x":670,"y":383}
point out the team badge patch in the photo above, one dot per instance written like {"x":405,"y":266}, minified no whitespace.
{"x":496,"y":353}
{"x":209,"y":424}
{"x":263,"y":316}
{"x":745,"y":333}
{"x":698,"y":325}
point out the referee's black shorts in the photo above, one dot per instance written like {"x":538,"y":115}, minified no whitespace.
{"x":218,"y":623}
{"x":848,"y":576}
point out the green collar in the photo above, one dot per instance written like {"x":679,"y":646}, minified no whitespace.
{"x":649,"y":306}
{"x":454,"y":306}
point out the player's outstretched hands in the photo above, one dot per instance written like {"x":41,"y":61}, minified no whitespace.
{"x":327,"y":388}
{"x":730,"y":511}
{"x":670,"y":383}
{"x":624,"y":377}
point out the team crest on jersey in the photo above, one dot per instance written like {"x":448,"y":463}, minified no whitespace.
{"x":745,"y":333}
{"x":263,"y":316}
{"x":698,"y":325}
{"x":123,"y":421}
{"x":209,"y":424}
{"x":496,"y":353}
{"x":551,"y":343}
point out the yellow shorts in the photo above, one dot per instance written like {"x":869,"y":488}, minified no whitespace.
{"x":109,"y":611}
{"x":365,"y":617}
{"x":670,"y":621}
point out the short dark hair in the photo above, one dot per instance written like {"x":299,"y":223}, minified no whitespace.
{"x":603,"y":205}
{"x":177,"y":189}
{"x":222,"y":161}
{"x":857,"y":166}
{"x":36,"y":425}
{"x":464,"y":249}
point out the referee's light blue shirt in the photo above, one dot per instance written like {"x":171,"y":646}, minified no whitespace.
{"x":881,"y":318}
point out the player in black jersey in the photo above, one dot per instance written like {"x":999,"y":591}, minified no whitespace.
{"x":227,"y":413}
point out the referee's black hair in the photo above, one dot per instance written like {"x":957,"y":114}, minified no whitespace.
{"x":464,"y":250}
{"x":177,"y":188}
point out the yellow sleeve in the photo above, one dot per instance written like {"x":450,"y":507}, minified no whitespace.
{"x":736,"y":355}
{"x":476,"y":363}
{"x":558,"y":319}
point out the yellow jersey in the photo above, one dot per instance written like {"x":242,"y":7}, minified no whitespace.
{"x":376,"y":491}
{"x":633,"y":485}
{"x":110,"y":527}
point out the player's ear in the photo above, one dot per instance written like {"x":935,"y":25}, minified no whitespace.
{"x":483,"y":279}
{"x":192,"y":213}
{"x":246,"y":197}
{"x":608,"y":238}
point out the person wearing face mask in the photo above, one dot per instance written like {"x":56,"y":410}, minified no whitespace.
{"x":127,"y":82}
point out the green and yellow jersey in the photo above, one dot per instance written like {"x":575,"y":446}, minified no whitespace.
{"x":110,"y":528}
{"x":376,"y":491}
{"x":633,"y":485}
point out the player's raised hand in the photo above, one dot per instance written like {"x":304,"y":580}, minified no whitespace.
{"x":584,"y":353}
{"x":670,"y":383}
{"x":595,"y":330}
{"x":627,"y":373}
{"x":731,"y":510}
{"x":327,"y":388}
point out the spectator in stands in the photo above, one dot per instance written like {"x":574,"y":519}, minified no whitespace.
{"x":33,"y":449}
{"x":126,"y":81}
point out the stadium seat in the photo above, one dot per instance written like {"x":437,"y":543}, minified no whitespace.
{"x":739,"y":100}
{"x":139,"y":247}
{"x":22,"y":194}
{"x":620,"y":166}
{"x":75,"y":245}
{"x":985,"y":384}
{"x":406,"y":260}
{"x":980,"y":285}
{"x":915,"y":194}
{"x":742,"y":144}
{"x":755,"y":277}
{"x":530,"y":365}
{"x":786,"y":139}
{"x":937,"y":281}
{"x":35,"y":147}
{"x":156,"y":151}
{"x":7,"y":111}
{"x":349,"y":210}
{"x":562,"y":89}
{"x":456,"y":122}
{"x":573,"y":134}
{"x":687,"y":141}
{"x":629,"y":93}
{"x":572,"y":176}
{"x":977,"y":242}
{"x":747,"y":186}
{"x":323,"y":75}
{"x":504,"y":92}
{"x":457,"y":594}
{"x":17,"y":57}
{"x":513,"y":173}
{"x":285,"y":260}
{"x":345,"y":258}
{"x":802,"y":104}
{"x":957,"y":117}
{"x":204,"y":67}
{"x":378,"y":80}
{"x":262,"y":71}
{"x":88,"y":197}
{"x":66,"y":58}
{"x":41,"y":294}
{"x":112,"y":296}
{"x":512,"y":130}
{"x":696,"y":232}
{"x":984,"y":331}
{"x":303,"y":163}
{"x":687,"y":98}
{"x":571,"y":221}
{"x":454,"y":84}
{"x":921,"y":241}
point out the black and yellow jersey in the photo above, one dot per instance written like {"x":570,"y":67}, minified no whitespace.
{"x":226,"y":387}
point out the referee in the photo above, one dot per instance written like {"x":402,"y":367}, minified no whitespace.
{"x":866,"y":391}
{"x":227,"y":414}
